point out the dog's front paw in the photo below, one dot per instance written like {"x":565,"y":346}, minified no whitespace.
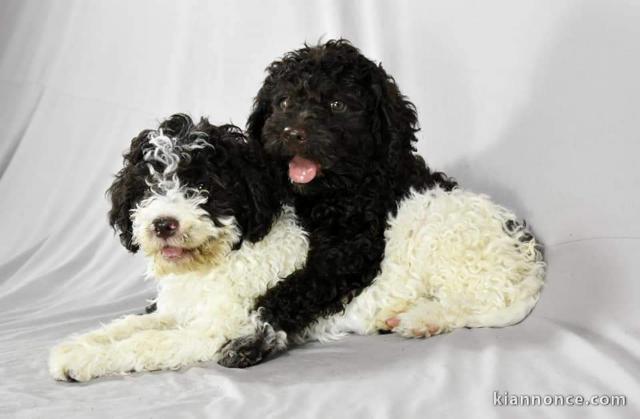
{"x":251,"y":349}
{"x":242,"y":352}
{"x":74,"y":361}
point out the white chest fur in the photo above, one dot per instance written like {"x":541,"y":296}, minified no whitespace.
{"x":197,"y":312}
{"x":220,"y":299}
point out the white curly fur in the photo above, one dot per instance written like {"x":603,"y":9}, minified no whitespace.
{"x":196,"y":312}
{"x":449,"y":263}
{"x":204,"y":300}
{"x":167,"y":151}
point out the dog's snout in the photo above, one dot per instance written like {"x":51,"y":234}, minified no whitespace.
{"x":294,"y":134}
{"x":165,"y":227}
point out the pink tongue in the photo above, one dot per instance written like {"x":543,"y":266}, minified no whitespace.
{"x":172,"y":252}
{"x":302,"y":170}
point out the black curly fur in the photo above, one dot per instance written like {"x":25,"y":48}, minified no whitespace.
{"x":367,"y":160}
{"x":233,"y":173}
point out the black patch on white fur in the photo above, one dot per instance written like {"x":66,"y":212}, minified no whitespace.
{"x":368,"y":166}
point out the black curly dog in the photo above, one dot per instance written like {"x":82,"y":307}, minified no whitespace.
{"x":341,"y":135}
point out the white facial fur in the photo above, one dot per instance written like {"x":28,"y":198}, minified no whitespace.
{"x":204,"y":242}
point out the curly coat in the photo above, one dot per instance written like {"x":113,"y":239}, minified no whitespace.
{"x":232,"y":171}
{"x":360,"y":131}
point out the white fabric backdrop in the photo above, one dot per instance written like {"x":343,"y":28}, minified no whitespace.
{"x":534,"y":102}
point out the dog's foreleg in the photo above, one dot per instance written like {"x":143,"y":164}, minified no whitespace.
{"x":320,"y":289}
{"x":126,"y":326}
{"x":147,"y":350}
{"x":77,"y":353}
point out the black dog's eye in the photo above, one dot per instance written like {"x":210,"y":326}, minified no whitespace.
{"x":284,"y":103}
{"x":200,"y":186}
{"x":338,"y":106}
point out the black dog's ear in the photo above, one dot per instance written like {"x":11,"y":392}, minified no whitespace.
{"x":261,"y":193}
{"x":127,"y":187}
{"x":265,"y":199}
{"x":262,"y":108}
{"x":259,"y":114}
{"x":395,"y":120}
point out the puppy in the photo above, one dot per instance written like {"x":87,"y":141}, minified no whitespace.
{"x":207,"y":213}
{"x":341,"y":136}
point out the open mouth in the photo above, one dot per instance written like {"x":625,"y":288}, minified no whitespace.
{"x":175,"y":254}
{"x":302,"y":170}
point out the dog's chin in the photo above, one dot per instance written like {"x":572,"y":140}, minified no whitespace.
{"x":313,"y":187}
{"x":304,"y":188}
{"x":175,"y":260}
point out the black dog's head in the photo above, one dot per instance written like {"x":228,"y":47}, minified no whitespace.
{"x":332,"y":116}
{"x":190,"y":192}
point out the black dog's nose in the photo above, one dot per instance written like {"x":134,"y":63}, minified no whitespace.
{"x":165,"y":227}
{"x":294,"y":134}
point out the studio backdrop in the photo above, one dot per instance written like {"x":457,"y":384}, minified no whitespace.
{"x":535,"y":103}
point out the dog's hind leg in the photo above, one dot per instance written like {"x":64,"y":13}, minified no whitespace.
{"x":428,"y":317}
{"x":507,"y":316}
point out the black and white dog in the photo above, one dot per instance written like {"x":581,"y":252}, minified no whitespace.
{"x":200,"y":203}
{"x":382,"y":243}
{"x":393,"y":245}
